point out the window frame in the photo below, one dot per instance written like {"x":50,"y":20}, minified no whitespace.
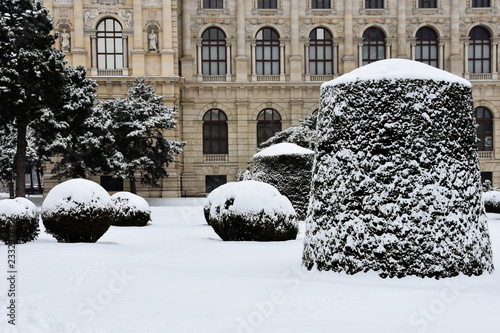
{"x":213,"y":4}
{"x":484,"y":129}
{"x":480,"y":3}
{"x":273,"y":45}
{"x":427,"y":4}
{"x":267,"y":4}
{"x":221,"y":137}
{"x":431,"y":43}
{"x":266,"y":125}
{"x":369,"y":43}
{"x":220,"y":58}
{"x":374,"y":4}
{"x":314,"y":46}
{"x":326,"y":4}
{"x":473,"y":57}
{"x":105,"y":35}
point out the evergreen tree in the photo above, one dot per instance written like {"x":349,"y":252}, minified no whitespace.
{"x":30,"y":72}
{"x":302,"y":135}
{"x":137,"y":127}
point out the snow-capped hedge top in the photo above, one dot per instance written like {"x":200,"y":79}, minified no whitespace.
{"x":74,"y":193}
{"x":250,"y":197}
{"x":397,"y":69}
{"x":17,"y":207}
{"x":132,"y":201}
{"x":284,"y":148}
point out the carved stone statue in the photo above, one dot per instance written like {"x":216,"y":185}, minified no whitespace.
{"x":153,"y":41}
{"x":65,"y":41}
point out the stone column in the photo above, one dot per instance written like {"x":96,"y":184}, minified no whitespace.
{"x":78,"y":51}
{"x":282,"y":62}
{"x":335,"y":58}
{"x":456,"y":61}
{"x":441,"y":56}
{"x":306,"y":53}
{"x":93,"y":42}
{"x":388,"y":54}
{"x":167,"y":52}
{"x":360,"y":54}
{"x":412,"y":51}
{"x":187,"y":57}
{"x":138,"y":53}
{"x":254,"y":72}
{"x":466,"y":60}
{"x":402,"y":48}
{"x":241,"y":57}
{"x":228,"y":62}
{"x":199,"y":60}
{"x":295,"y":57}
{"x":125,"y":55}
{"x":348,"y":60}
{"x":494,"y":57}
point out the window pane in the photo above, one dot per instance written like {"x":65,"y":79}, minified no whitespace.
{"x":119,"y":61}
{"x":110,"y":63}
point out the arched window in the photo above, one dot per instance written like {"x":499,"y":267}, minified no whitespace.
{"x":267,"y":52}
{"x":214,"y":52}
{"x":373,"y":45}
{"x":212,"y":3}
{"x":426,"y":46}
{"x":268,"y":4}
{"x":109,"y":44}
{"x":215,"y":138}
{"x":268,"y":124}
{"x":320,"y":4}
{"x":480,"y":3}
{"x":427,"y":3}
{"x":479,"y":50}
{"x":484,"y":129}
{"x":320,"y":52}
{"x":374,"y":4}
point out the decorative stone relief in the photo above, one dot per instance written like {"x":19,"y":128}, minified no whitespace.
{"x":152,"y":2}
{"x":89,"y":14}
{"x":109,"y":2}
{"x":126,"y":15}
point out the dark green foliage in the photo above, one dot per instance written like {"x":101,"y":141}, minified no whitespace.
{"x":290,"y":174}
{"x":123,"y":218}
{"x":396,"y":181}
{"x":256,"y":227}
{"x":302,"y":135}
{"x":83,"y":224}
{"x":18,"y":229}
{"x":138,"y":125}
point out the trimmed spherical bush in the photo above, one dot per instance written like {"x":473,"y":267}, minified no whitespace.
{"x":18,"y":221}
{"x":252,"y":211}
{"x":491,"y":201}
{"x":130,"y":210}
{"x":396,"y":180}
{"x":288,"y":167}
{"x":77,"y":210}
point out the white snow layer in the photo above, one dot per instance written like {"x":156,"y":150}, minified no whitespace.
{"x":177,"y":276}
{"x":250,"y":197}
{"x":284,"y":148}
{"x":75,"y":193}
{"x":17,"y":207}
{"x":397,"y":69}
{"x":132,"y":201}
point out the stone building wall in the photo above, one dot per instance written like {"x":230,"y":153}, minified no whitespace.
{"x":177,"y":73}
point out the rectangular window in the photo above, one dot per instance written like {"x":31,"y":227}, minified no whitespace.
{"x":427,"y":3}
{"x":486,"y":176}
{"x":480,"y":3}
{"x":268,"y":4}
{"x":213,"y":4}
{"x":320,"y":4}
{"x":112,"y":184}
{"x":374,"y":4}
{"x":212,"y":182}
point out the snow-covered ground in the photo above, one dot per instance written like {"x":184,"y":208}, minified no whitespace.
{"x":176,"y":275}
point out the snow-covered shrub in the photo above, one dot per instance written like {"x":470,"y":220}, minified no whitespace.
{"x":130,"y":210}
{"x":491,"y":200}
{"x":287,"y":167}
{"x":251,"y":211}
{"x":77,"y":210}
{"x":396,"y":184}
{"x":18,"y":221}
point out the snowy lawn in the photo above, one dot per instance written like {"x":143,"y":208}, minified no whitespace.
{"x":176,"y":275}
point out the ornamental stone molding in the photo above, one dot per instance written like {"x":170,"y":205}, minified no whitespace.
{"x":90,"y":14}
{"x":152,"y":2}
{"x":109,"y":2}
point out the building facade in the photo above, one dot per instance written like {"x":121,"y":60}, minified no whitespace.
{"x":241,"y":70}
